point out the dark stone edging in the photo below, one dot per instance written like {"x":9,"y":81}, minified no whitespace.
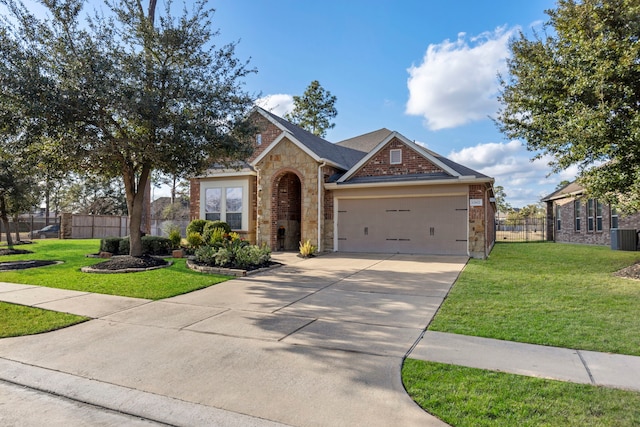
{"x":90,"y":269}
{"x":227,"y":271}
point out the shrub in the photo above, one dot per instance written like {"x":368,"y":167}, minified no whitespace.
{"x":307,"y":249}
{"x":123,"y":247}
{"x":220,"y":224}
{"x":110,"y":244}
{"x":205,"y":255}
{"x":213,"y":235}
{"x":175,"y":238}
{"x":252,"y":256}
{"x":156,"y":245}
{"x":194,"y":239}
{"x":223,"y":257}
{"x":196,"y":226}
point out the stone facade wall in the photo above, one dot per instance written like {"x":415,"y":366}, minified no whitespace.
{"x":287,"y":157}
{"x":565,"y":210}
{"x":412,"y":162}
{"x":194,"y":198}
{"x":268,"y":131}
{"x":477,"y":222}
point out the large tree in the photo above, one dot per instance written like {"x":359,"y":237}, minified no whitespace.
{"x":573,"y":93}
{"x":132,"y":95}
{"x":314,"y":110}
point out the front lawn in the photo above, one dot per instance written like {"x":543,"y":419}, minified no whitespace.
{"x":547,"y":293}
{"x":473,"y":397}
{"x":155,"y":284}
{"x":18,"y":320}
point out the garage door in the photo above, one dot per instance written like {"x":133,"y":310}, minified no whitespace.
{"x":421,"y":225}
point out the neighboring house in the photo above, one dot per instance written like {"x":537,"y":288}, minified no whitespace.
{"x":379,"y":192}
{"x":159,"y":205}
{"x":572,"y":217}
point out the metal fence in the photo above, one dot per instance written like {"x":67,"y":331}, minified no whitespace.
{"x":521,"y":230}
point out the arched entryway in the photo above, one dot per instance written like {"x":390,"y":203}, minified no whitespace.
{"x":287,"y":210}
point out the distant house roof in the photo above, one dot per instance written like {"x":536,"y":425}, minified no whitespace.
{"x":366,"y":142}
{"x":323,"y":149}
{"x":571,"y":189}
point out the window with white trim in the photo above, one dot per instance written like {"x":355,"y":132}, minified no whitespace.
{"x":614,"y":218}
{"x":576,"y":208}
{"x":558,"y":220}
{"x":395,"y":156}
{"x":590,"y":212}
{"x":598,"y":216}
{"x":226,"y":201}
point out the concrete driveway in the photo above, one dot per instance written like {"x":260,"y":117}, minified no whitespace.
{"x":318,"y":342}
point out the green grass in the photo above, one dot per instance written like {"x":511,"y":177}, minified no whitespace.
{"x":155,"y":284}
{"x":550,"y":294}
{"x":473,"y":397}
{"x":18,"y":320}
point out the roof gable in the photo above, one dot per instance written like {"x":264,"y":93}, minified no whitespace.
{"x":569,"y":190}
{"x":417,"y":163}
{"x":317,"y":148}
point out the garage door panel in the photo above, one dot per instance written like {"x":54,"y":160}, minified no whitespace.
{"x":430,"y":225}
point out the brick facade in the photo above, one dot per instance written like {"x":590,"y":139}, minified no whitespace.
{"x":569,"y":214}
{"x":412,"y":162}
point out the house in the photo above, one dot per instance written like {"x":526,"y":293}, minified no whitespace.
{"x":378,"y":192}
{"x":573,"y":217}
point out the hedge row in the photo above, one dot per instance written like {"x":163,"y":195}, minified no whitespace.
{"x":151,"y":245}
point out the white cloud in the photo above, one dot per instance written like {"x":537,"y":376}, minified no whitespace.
{"x":457,"y":81}
{"x":525,"y":182}
{"x":278,"y":104}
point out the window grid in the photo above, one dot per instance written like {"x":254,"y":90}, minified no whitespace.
{"x":590,"y":209}
{"x":614,"y":218}
{"x":576,"y":207}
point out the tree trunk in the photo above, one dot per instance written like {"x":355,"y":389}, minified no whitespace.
{"x":135,"y":192}
{"x":5,"y":221}
{"x":16,"y":222}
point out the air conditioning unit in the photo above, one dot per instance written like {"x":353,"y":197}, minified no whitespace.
{"x":624,"y":239}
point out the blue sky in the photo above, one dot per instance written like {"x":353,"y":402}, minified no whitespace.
{"x":426,"y":69}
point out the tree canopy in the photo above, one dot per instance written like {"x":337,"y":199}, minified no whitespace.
{"x":119,"y":95}
{"x":574,"y":93}
{"x":314,"y":110}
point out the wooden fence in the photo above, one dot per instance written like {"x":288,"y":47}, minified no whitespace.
{"x":100,"y":226}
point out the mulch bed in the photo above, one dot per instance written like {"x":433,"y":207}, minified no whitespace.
{"x":21,"y":265}
{"x":127,"y":262}
{"x":631,"y":272}
{"x":14,"y":252}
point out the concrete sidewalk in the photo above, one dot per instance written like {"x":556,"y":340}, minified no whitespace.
{"x":578,"y":366}
{"x":318,"y":342}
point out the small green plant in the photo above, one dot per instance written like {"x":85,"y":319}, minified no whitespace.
{"x":223,"y":257}
{"x":196,"y":226}
{"x":307,"y":249}
{"x":194,"y":239}
{"x":213,"y":236}
{"x":221,"y":224}
{"x":205,"y":255}
{"x":175,"y":238}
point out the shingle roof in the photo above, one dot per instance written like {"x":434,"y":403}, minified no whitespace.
{"x":366,"y":142}
{"x":324,"y":149}
{"x":569,"y":189}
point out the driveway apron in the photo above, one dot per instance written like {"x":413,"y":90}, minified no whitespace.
{"x":318,"y":342}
